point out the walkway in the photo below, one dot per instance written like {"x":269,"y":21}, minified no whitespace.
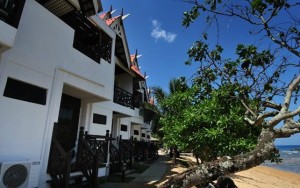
{"x":148,"y":178}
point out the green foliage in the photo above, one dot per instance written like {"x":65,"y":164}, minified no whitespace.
{"x":210,"y":128}
{"x":175,"y":86}
{"x":208,"y":115}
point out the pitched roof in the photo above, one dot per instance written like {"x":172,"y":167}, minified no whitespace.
{"x":134,"y":67}
{"x":111,"y":20}
{"x":102,"y":16}
{"x":136,"y":70}
{"x":132,"y":58}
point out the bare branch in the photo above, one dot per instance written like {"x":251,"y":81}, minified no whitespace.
{"x":272,"y":105}
{"x":289,"y":128}
{"x":263,"y":116}
{"x":291,"y":124}
{"x":284,"y":114}
{"x":251,"y":122}
{"x":248,"y":109}
{"x":288,"y":95}
{"x":285,"y":133}
{"x":281,"y":43}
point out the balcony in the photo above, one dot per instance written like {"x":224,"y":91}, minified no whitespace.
{"x":148,"y":111}
{"x":89,"y":39}
{"x":10,"y":11}
{"x":123,"y":97}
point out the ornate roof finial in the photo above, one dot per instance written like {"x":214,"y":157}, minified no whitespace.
{"x":110,"y":8}
{"x":146,"y":76}
{"x":122,"y":15}
{"x":113,"y":11}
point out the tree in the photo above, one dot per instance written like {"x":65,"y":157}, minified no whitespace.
{"x":208,"y":127}
{"x":257,"y":78}
{"x":176,"y":86}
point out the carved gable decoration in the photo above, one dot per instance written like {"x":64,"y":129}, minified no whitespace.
{"x":118,"y":29}
{"x":122,"y":50}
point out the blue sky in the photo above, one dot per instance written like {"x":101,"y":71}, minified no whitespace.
{"x":154,"y":28}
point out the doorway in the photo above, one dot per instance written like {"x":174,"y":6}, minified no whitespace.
{"x":68,"y":122}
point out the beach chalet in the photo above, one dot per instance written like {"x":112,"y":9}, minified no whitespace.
{"x":72,"y":98}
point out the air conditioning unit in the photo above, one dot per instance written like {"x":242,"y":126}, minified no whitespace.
{"x":14,"y":174}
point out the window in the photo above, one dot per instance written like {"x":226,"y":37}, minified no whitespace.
{"x":136,"y":132}
{"x":11,"y":11}
{"x":148,"y":136}
{"x":93,"y":42}
{"x":99,"y":119}
{"x":124,"y":128}
{"x":26,"y":92}
{"x":143,"y":135}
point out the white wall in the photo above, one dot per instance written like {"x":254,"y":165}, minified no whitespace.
{"x":125,"y":121}
{"x":100,"y":129}
{"x":136,"y":127}
{"x":22,"y":123}
{"x":43,"y":55}
{"x":50,"y":41}
{"x":44,"y":43}
{"x":7,"y":37}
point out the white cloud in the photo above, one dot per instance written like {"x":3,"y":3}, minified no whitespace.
{"x":159,"y":33}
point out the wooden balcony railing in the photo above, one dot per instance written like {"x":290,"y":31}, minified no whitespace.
{"x":10,"y":11}
{"x":128,"y":151}
{"x":92,"y":152}
{"x":143,"y":151}
{"x":60,"y":165}
{"x":121,"y":155}
{"x":123,"y":97}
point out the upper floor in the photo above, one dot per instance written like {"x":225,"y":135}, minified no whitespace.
{"x":44,"y":35}
{"x":130,"y":88}
{"x":57,"y":35}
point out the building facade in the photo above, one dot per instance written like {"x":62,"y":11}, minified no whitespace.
{"x":64,"y":64}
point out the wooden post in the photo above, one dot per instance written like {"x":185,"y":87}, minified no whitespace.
{"x":131,"y":152}
{"x":120,"y":141}
{"x":79,"y":148}
{"x":121,"y":153}
{"x":121,"y":159}
{"x":107,"y":148}
{"x":66,"y":177}
{"x":94,"y":178}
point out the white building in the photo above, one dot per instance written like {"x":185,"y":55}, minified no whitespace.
{"x":61,"y":63}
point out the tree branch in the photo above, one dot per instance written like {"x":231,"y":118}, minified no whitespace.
{"x":272,"y":105}
{"x":285,"y":133}
{"x":281,"y":43}
{"x":284,"y":114}
{"x":288,"y":95}
{"x":289,"y":128}
{"x":248,"y":109}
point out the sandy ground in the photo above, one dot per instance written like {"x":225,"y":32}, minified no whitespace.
{"x":257,"y":177}
{"x":265,"y":177}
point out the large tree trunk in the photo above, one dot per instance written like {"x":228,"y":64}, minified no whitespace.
{"x":210,"y":171}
